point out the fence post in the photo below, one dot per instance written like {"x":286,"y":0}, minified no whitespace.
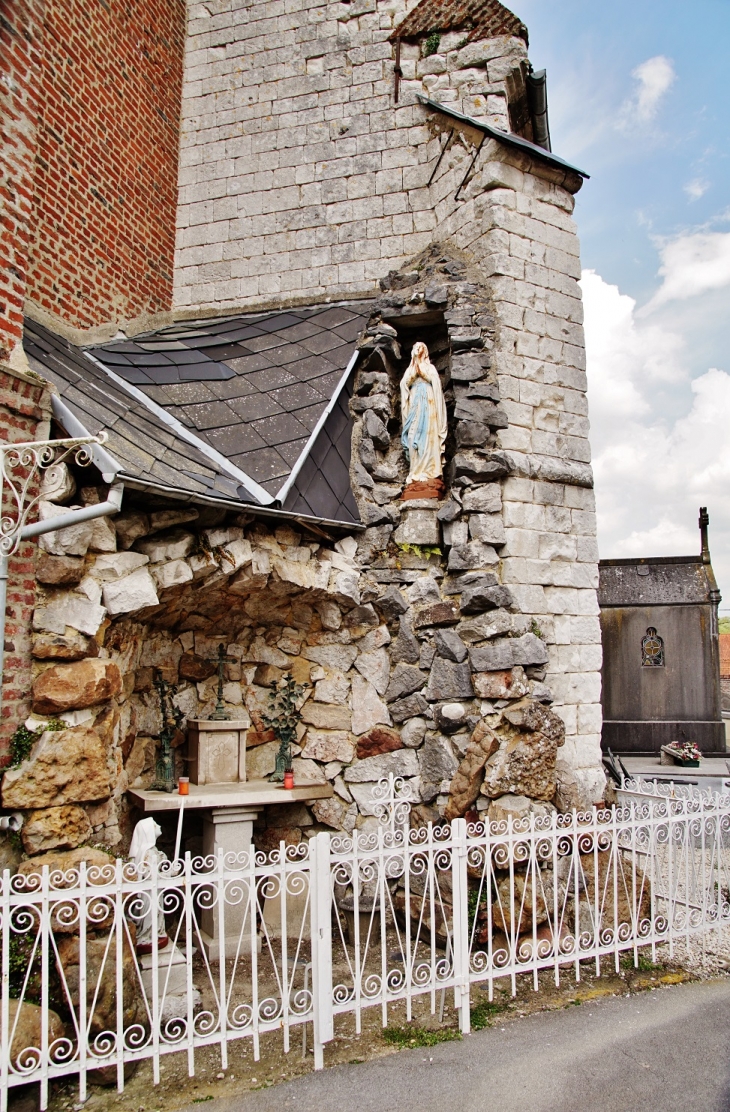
{"x":321,"y":928}
{"x":460,"y":896}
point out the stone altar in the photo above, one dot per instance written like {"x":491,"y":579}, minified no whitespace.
{"x":217,"y":750}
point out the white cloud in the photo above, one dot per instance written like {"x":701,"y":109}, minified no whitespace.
{"x":696,"y":188}
{"x":652,"y":472}
{"x":692,"y":264}
{"x":654,"y":78}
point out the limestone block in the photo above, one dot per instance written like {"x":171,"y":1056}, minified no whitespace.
{"x":360,"y":620}
{"x":413,"y":732}
{"x":109,"y":568}
{"x":69,"y":610}
{"x":409,"y":707}
{"x":524,"y":764}
{"x":130,"y":527}
{"x":485,"y":499}
{"x":436,"y":760}
{"x":475,"y":554}
{"x":449,"y":680}
{"x":329,"y":812}
{"x":334,"y":657}
{"x":203,"y":564}
{"x":488,"y":528}
{"x":495,"y":657}
{"x":404,"y":680}
{"x":328,"y":745}
{"x":172,"y":574}
{"x":176,"y":546}
{"x":103,"y":535}
{"x":218,"y":538}
{"x":326,"y":716}
{"x":435,"y":614}
{"x":404,"y":763}
{"x":405,"y":647}
{"x":74,"y":686}
{"x":55,"y":828}
{"x":91,"y":588}
{"x":391,"y":604}
{"x":58,"y":646}
{"x":166,"y":519}
{"x":308,"y":770}
{"x":59,"y":571}
{"x":344,"y":586}
{"x":425,"y":589}
{"x":74,"y":540}
{"x":58,"y":483}
{"x":529,"y":650}
{"x":261,"y":760}
{"x":455,"y":532}
{"x":263,"y":653}
{"x":518,"y":808}
{"x":134,"y":592}
{"x":418,"y":527}
{"x":482,"y":627}
{"x":64,"y":766}
{"x":579,"y":788}
{"x":378,"y":740}
{"x":330,"y":614}
{"x":450,"y":645}
{"x":501,"y":685}
{"x":368,"y":709}
{"x":467,"y":779}
{"x":375,"y":667}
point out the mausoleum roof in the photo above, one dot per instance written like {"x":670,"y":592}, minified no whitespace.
{"x":482,"y":19}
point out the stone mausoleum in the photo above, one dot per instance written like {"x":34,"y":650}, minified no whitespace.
{"x":353,"y":179}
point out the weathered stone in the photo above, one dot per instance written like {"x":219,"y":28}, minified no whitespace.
{"x":469,"y":366}
{"x":391,"y":604}
{"x":334,"y":688}
{"x":518,"y":808}
{"x":261,"y":761}
{"x":524,"y":764}
{"x":404,"y":680}
{"x":55,"y":828}
{"x":329,"y":614}
{"x":329,"y":812}
{"x":413,"y":732}
{"x":477,"y":597}
{"x":455,"y":584}
{"x":419,"y":527}
{"x":308,"y":771}
{"x":410,"y":707}
{"x":72,"y":541}
{"x":361,"y":620}
{"x":58,"y":483}
{"x":450,"y":717}
{"x":328,"y":745}
{"x":166,"y":519}
{"x":326,"y":716}
{"x":172,"y":574}
{"x":456,"y":532}
{"x":424,"y":589}
{"x":483,"y":627}
{"x":435,"y":614}
{"x":516,"y":908}
{"x":64,"y":766}
{"x":377,"y":741}
{"x":475,"y":554}
{"x":482,"y":468}
{"x":450,"y":645}
{"x":335,"y":657}
{"x":101,"y":982}
{"x":375,"y":667}
{"x":69,"y":610}
{"x":487,"y":527}
{"x":27,"y":1031}
{"x":481,"y":411}
{"x":58,"y":646}
{"x":485,"y":499}
{"x":449,"y":512}
{"x":64,"y":868}
{"x":529,"y":650}
{"x":130,"y":527}
{"x":578,"y":788}
{"x":103,"y":535}
{"x":402,"y":763}
{"x":473,"y":434}
{"x":500,"y":685}
{"x":375,"y":429}
{"x":436,"y":762}
{"x":368,"y":709}
{"x":195,"y":668}
{"x":176,"y":546}
{"x":405,"y":648}
{"x":495,"y":657}
{"x":109,"y":568}
{"x":375,"y":639}
{"x":436,"y":296}
{"x":449,"y":681}
{"x":373,"y":514}
{"x":59,"y":571}
{"x":134,"y":592}
{"x":74,"y":686}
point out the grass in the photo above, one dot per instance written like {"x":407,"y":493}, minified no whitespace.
{"x":202,"y":1100}
{"x":643,"y":964}
{"x":407,"y":1038}
{"x":482,"y":1014}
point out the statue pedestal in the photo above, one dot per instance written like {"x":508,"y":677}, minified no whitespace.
{"x":217,"y":751}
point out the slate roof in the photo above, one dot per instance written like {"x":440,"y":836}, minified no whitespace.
{"x":250,"y":408}
{"x":483,"y":19}
{"x":663,"y":581}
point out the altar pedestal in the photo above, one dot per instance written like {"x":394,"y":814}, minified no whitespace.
{"x":229,"y":829}
{"x":217,"y":751}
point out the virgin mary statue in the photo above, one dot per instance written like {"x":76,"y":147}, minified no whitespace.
{"x":423,"y":412}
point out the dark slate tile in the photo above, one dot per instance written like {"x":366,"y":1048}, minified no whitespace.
{"x":135,"y":375}
{"x":271,"y":378}
{"x":350,"y":331}
{"x":286,"y":353}
{"x":314,"y":367}
{"x":186,"y":356}
{"x":327,"y":383}
{"x":334,"y":316}
{"x":245,"y":333}
{"x":148,"y":359}
{"x":236,"y":387}
{"x":278,"y":321}
{"x":280,"y":428}
{"x":321,"y":342}
{"x":254,"y":407}
{"x":249,"y":363}
{"x":311,"y":415}
{"x":302,"y":331}
{"x":113,"y":358}
{"x":262,"y":465}
{"x":298,"y":396}
{"x":292,"y":450}
{"x":235,"y":440}
{"x":225,"y":351}
{"x":162,"y":376}
{"x":186,"y":393}
{"x":121,"y":346}
{"x":209,"y":415}
{"x":263,"y":342}
{"x":200,"y":372}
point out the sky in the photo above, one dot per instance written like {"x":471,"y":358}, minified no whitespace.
{"x":639,"y":98}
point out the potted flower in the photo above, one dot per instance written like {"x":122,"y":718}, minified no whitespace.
{"x":684,"y":753}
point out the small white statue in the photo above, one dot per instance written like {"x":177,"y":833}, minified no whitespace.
{"x":146,"y":855}
{"x":423,"y":412}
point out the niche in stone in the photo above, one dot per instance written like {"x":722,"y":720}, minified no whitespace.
{"x":652,"y":649}
{"x":423,"y":413}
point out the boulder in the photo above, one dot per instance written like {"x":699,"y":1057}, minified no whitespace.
{"x":74,"y":540}
{"x":109,"y":568}
{"x":25,"y":1049}
{"x":467,"y":779}
{"x":328,"y":745}
{"x":478,"y":597}
{"x":475,"y":554}
{"x":450,"y":646}
{"x":483,"y":627}
{"x":329,"y":812}
{"x":326,"y":716}
{"x":59,"y":571}
{"x":64,"y":766}
{"x":195,"y":668}
{"x":75,"y":686}
{"x":391,"y":604}
{"x":501,"y":685}
{"x":518,"y":907}
{"x":404,"y":680}
{"x":55,"y":828}
{"x":448,"y":681}
{"x":64,"y":867}
{"x":57,"y":646}
{"x":413,"y":732}
{"x":101,"y":982}
{"x":133,"y":592}
{"x":450,"y":717}
{"x":376,"y":741}
{"x":375,"y":667}
{"x":436,"y":762}
{"x":410,"y":707}
{"x":518,"y":808}
{"x":402,"y":763}
{"x":405,"y":648}
{"x":368,"y":709}
{"x":524,"y":764}
{"x":435,"y":614}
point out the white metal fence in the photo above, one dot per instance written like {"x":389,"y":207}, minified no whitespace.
{"x":340,"y":924}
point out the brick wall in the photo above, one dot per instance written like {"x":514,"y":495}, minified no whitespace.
{"x":106,"y":174}
{"x":24,"y":415}
{"x":19,"y":59}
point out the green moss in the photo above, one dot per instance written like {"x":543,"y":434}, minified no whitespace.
{"x":724,"y":625}
{"x":409,"y":1037}
{"x":24,"y":739}
{"x":424,"y":552}
{"x":432,"y":43}
{"x":483,"y":1013}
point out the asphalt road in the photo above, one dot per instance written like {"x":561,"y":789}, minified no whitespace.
{"x":664,"y":1051}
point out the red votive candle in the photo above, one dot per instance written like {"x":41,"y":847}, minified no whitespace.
{"x":288,"y":780}
{"x":183,"y":785}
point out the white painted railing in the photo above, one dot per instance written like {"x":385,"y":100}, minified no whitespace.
{"x":337,"y":925}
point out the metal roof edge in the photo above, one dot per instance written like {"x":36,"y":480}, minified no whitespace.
{"x":294,"y":473}
{"x":258,"y":492}
{"x":633,"y":561}
{"x":102,"y":459}
{"x":502,"y":136}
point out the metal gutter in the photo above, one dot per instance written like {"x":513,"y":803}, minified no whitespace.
{"x":112,"y":505}
{"x":538,"y":102}
{"x":294,"y":473}
{"x":106,"y":463}
{"x":258,"y":492}
{"x":502,"y":136}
